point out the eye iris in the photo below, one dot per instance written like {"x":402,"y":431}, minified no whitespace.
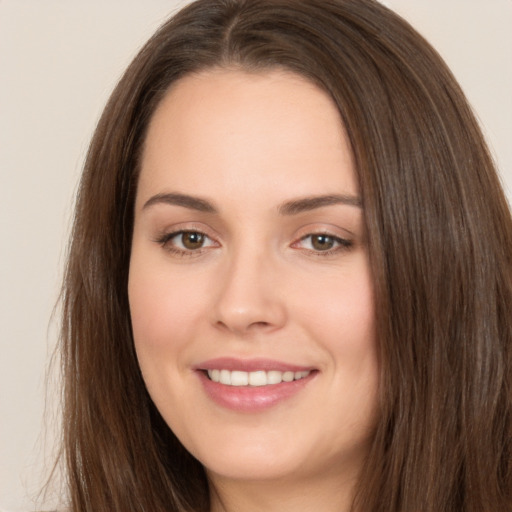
{"x":322,"y":242}
{"x":192,"y":240}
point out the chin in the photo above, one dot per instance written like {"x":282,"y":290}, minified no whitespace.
{"x":255,"y":458}
{"x":254,"y":470}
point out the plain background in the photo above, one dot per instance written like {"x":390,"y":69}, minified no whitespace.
{"x":59,"y":60}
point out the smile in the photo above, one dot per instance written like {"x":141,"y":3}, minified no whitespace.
{"x":254,"y":378}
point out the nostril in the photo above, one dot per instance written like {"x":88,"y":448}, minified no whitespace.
{"x":259,"y":324}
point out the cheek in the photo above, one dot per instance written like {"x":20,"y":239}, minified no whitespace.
{"x":340,"y":316}
{"x":163,"y":308}
{"x":341,"y":312}
{"x":164,"y":313}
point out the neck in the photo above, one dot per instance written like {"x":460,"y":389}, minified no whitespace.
{"x":328,"y":494}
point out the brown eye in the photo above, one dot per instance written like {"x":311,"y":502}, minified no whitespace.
{"x":322,"y":242}
{"x":192,"y":240}
{"x":186,"y":243}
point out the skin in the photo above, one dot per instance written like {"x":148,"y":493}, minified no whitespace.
{"x":258,"y":285}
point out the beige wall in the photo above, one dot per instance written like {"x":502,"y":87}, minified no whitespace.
{"x":58,"y":61}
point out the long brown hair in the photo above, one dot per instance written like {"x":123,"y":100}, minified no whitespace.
{"x":440,"y":245}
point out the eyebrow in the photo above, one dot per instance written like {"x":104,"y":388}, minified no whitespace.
{"x":292,"y":207}
{"x":191,"y":202}
{"x":311,"y":203}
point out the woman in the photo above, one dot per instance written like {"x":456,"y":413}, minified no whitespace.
{"x":289,"y":281}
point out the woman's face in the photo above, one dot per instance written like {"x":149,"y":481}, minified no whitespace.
{"x":250,"y":290}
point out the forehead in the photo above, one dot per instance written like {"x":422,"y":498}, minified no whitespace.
{"x":221,"y":130}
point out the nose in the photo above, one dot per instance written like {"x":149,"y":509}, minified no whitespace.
{"x":249,"y":299}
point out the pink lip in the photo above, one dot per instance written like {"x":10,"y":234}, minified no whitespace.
{"x":249,"y":365}
{"x":251,"y":398}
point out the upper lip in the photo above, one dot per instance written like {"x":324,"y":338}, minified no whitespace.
{"x":249,"y":365}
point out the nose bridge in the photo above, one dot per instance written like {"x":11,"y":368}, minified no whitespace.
{"x":248,"y":296}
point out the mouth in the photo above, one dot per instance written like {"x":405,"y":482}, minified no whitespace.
{"x":258,"y":378}
{"x":253,"y":385}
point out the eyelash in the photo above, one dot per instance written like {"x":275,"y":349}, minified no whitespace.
{"x":166,"y":238}
{"x":341,"y":244}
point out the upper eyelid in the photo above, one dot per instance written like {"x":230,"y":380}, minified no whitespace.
{"x":168,"y":235}
{"x":325,"y":229}
{"x":184,"y":227}
{"x":322,"y":233}
{"x":339,"y":239}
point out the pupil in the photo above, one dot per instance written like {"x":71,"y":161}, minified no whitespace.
{"x":193,"y":240}
{"x":323,"y":242}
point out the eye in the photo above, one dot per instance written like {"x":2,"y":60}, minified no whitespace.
{"x":186,"y":241}
{"x":190,"y":240}
{"x":323,"y":243}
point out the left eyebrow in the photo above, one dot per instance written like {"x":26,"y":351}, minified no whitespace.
{"x":311,"y":203}
{"x":184,"y":200}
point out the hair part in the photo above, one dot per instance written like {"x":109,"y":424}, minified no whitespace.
{"x":440,"y":245}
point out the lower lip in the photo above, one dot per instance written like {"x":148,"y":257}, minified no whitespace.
{"x":252,"y":398}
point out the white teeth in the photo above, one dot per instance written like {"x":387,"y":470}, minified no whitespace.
{"x":239,"y":378}
{"x":257,"y":378}
{"x":224,"y":377}
{"x":274,"y":377}
{"x":288,"y":376}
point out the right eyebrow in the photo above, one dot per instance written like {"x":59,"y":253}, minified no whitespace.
{"x":306,"y":204}
{"x":191,"y":202}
